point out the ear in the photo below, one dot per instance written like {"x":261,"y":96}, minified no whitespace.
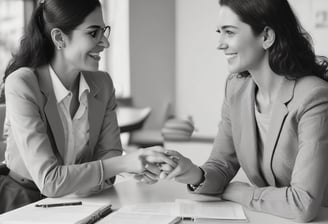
{"x":269,"y":37}
{"x":58,"y":38}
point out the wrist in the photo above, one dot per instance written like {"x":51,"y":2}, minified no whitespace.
{"x":199,"y":180}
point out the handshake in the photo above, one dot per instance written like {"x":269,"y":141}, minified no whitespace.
{"x":154,"y":163}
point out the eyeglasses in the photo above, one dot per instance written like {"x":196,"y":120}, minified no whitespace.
{"x":99,"y":32}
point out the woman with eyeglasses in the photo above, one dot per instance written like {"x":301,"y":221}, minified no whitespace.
{"x":274,"y":117}
{"x":61,"y":125}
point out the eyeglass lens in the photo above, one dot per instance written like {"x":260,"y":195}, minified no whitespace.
{"x":104,"y":31}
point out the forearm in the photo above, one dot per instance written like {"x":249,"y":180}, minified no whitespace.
{"x":288,"y":202}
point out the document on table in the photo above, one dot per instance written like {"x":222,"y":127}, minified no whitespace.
{"x":172,"y":212}
{"x":210,"y":210}
{"x":146,"y":213}
{"x":54,"y":215}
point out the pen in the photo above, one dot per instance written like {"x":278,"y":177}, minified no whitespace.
{"x":58,"y":204}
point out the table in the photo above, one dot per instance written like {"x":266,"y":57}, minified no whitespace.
{"x":128,"y":192}
{"x":131,"y":118}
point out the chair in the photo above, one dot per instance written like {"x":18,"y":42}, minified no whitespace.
{"x":132,"y":118}
{"x":147,"y":137}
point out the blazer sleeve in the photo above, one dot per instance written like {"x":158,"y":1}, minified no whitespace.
{"x":302,"y":199}
{"x":28,"y":130}
{"x":222,"y":164}
{"x":109,"y":142}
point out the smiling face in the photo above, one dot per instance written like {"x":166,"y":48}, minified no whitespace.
{"x":86,"y":41}
{"x":243,"y":50}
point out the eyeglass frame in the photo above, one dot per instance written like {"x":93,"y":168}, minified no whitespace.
{"x":100,"y":29}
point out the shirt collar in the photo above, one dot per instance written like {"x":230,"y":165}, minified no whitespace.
{"x":60,"y":90}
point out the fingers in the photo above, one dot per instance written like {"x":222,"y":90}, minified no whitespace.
{"x":155,"y":169}
{"x":172,"y":153}
{"x":146,"y":177}
{"x":166,"y":167}
{"x":174,"y":173}
{"x":156,"y":157}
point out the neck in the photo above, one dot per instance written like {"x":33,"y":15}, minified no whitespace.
{"x":267,"y":81}
{"x":67,"y":75}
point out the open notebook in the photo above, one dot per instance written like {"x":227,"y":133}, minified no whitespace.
{"x":173,"y":212}
{"x":78,"y":214}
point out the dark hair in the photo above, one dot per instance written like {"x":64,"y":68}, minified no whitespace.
{"x":292,"y":54}
{"x":36,"y":47}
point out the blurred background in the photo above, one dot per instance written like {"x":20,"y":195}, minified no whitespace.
{"x":163,"y":53}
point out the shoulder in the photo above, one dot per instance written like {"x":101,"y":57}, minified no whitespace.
{"x":235,"y":84}
{"x":22,"y":80}
{"x":309,"y":93}
{"x":99,"y":78}
{"x":310,"y":87}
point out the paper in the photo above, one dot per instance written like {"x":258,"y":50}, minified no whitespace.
{"x":121,"y":217}
{"x":224,"y":210}
{"x":204,"y":211}
{"x":145,"y":213}
{"x":54,"y":215}
{"x":160,"y":208}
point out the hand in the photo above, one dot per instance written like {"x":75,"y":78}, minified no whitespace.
{"x":185,"y":171}
{"x":146,"y":177}
{"x":148,"y":159}
{"x":150,"y":174}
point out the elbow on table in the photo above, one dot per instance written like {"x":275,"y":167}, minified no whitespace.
{"x":307,"y":215}
{"x":52,"y":192}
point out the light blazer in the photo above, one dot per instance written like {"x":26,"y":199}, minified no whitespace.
{"x":35,"y":142}
{"x":295,"y":154}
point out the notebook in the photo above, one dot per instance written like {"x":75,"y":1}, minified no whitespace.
{"x":210,"y":211}
{"x":145,"y":213}
{"x":173,"y":212}
{"x":87,"y":213}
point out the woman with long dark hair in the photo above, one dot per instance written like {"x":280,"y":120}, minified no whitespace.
{"x":274,"y":116}
{"x":62,"y":131}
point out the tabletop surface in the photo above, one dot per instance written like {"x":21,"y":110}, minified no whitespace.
{"x":128,"y":191}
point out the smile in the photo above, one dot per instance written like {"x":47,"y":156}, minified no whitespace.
{"x":230,"y":56}
{"x":95,"y":56}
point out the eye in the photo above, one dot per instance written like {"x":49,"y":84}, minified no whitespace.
{"x":229,"y":32}
{"x":93,"y":33}
{"x":218,"y":30}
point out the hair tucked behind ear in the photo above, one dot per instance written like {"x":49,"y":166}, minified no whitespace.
{"x":36,"y":47}
{"x":292,"y":54}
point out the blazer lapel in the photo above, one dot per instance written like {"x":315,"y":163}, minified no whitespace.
{"x":248,"y":141}
{"x":95,"y":110}
{"x":50,"y":109}
{"x":279,"y":114}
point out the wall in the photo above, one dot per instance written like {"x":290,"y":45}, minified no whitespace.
{"x":200,"y":68}
{"x":152,"y":44}
{"x":174,"y":57}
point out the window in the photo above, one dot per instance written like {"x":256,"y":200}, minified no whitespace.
{"x":116,"y":59}
{"x":14,"y":15}
{"x":11,"y":29}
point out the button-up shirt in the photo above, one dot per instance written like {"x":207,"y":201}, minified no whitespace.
{"x":76,"y":129}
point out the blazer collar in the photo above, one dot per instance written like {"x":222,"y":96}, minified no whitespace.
{"x":249,"y":139}
{"x":279,"y":113}
{"x":52,"y":114}
{"x":248,"y":148}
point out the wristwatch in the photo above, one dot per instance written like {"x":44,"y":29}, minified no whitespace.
{"x":194,"y":187}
